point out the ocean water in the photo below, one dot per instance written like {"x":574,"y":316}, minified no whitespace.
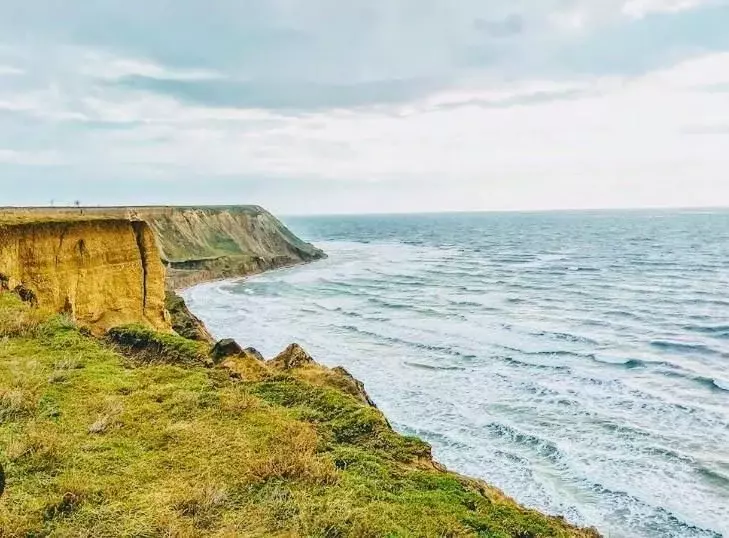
{"x":578,"y":361}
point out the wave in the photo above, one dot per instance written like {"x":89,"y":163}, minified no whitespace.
{"x":543,"y":447}
{"x":447,"y":350}
{"x":620,"y":361}
{"x":683,"y":347}
{"x":621,"y":314}
{"x":472,"y":304}
{"x":433,"y":367}
{"x":714,"y":476}
{"x":556,"y":353}
{"x":568,"y":337}
{"x":712,"y":383}
{"x":661,"y":519}
{"x":517,"y":362}
{"x":721,"y":384}
{"x":717,"y":331}
{"x":578,"y":269}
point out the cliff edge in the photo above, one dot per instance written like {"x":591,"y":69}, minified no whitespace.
{"x":198,"y":244}
{"x":144,"y":433}
{"x":110,"y":266}
{"x":102,"y":272}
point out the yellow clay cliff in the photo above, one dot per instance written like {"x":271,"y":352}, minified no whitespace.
{"x":102,"y":272}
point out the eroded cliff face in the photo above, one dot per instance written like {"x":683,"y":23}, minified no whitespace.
{"x":208,"y":243}
{"x":198,"y":244}
{"x":103,"y":272}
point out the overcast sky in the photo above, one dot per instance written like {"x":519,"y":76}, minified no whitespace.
{"x":332,"y":106}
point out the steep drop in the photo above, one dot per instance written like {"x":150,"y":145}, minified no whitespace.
{"x":99,"y":271}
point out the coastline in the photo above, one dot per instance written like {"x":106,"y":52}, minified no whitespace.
{"x":237,"y":278}
{"x":430,"y":462}
{"x":169,"y":386}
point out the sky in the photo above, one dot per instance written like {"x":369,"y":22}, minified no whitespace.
{"x":327,"y":106}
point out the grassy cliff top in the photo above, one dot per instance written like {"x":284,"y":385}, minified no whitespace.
{"x":10,"y":218}
{"x":17,"y":215}
{"x":146,"y":437}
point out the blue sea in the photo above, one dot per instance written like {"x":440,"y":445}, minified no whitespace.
{"x":578,"y":361}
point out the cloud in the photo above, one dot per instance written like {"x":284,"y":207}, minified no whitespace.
{"x":282,"y":94}
{"x":510,"y":26}
{"x":9,"y":70}
{"x":640,"y":8}
{"x":327,"y":106}
{"x":707,"y":129}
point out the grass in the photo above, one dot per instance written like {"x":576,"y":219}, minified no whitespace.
{"x":97,"y":442}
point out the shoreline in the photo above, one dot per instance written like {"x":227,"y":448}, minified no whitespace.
{"x":436,"y":465}
{"x":179,"y":289}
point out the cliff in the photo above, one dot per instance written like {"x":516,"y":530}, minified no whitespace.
{"x":102,"y":272}
{"x":209,"y":243}
{"x":199,"y":244}
{"x":110,"y":266}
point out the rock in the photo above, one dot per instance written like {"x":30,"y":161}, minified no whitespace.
{"x":253,"y":352}
{"x":184,"y":322}
{"x":356,"y":387}
{"x":26,"y":295}
{"x":225,"y":348}
{"x":293,"y":356}
{"x":246,"y":367}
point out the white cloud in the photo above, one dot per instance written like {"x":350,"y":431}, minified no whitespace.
{"x":9,"y":70}
{"x":480,"y":136}
{"x":104,"y":65}
{"x":640,"y":8}
{"x":34,"y":158}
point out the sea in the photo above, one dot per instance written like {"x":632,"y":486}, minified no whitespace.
{"x":579,"y":361}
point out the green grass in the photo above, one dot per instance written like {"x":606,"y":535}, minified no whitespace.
{"x":148,"y":346}
{"x":97,"y":443}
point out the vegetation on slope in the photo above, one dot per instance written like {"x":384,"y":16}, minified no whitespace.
{"x":137,"y":435}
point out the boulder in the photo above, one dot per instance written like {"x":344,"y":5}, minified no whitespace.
{"x":253,"y":352}
{"x":184,"y":322}
{"x":355,"y":386}
{"x":293,"y":356}
{"x":224,"y":348}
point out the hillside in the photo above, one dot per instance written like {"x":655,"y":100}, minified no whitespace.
{"x":148,"y":434}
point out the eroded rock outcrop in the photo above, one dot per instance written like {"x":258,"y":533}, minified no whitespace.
{"x":184,"y":322}
{"x":293,"y":356}
{"x":200,"y":244}
{"x":102,"y":272}
{"x":227,"y":347}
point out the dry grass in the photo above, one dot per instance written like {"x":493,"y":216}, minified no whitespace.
{"x":18,"y":319}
